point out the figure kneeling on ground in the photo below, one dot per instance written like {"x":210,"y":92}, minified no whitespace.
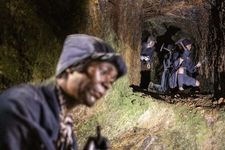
{"x":178,"y":74}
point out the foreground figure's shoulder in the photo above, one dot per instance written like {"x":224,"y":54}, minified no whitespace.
{"x":21,"y":97}
{"x":21,"y":92}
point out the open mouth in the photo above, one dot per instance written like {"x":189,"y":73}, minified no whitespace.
{"x":98,"y":91}
{"x":96,"y":94}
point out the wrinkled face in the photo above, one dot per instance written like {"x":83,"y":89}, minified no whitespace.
{"x":92,"y":84}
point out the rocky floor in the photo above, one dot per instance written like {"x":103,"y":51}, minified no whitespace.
{"x":186,"y":97}
{"x":156,"y":137}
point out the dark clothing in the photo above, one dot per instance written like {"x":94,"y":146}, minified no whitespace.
{"x":187,"y":63}
{"x":183,"y":79}
{"x":173,"y":74}
{"x":163,"y":87}
{"x":147,"y":52}
{"x":145,"y":79}
{"x":146,"y":58}
{"x":164,"y":84}
{"x":189,"y":69}
{"x":29,"y":118}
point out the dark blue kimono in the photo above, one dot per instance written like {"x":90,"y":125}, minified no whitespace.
{"x":173,"y":74}
{"x":164,"y":84}
{"x":187,"y":63}
{"x":29,"y":118}
{"x":189,"y":68}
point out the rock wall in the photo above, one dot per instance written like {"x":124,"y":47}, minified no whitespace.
{"x":216,"y":46}
{"x":119,"y":23}
{"x":32,"y":34}
{"x":27,"y":43}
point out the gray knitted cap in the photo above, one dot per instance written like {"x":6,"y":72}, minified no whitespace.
{"x":80,"y":47}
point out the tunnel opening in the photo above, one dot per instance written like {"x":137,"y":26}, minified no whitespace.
{"x":167,"y":33}
{"x":171,"y":22}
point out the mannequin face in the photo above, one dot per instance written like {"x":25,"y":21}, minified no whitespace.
{"x":189,"y":46}
{"x":92,"y":84}
{"x":151,"y":44}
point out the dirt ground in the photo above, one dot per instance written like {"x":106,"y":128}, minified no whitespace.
{"x":142,"y":138}
{"x":186,"y":97}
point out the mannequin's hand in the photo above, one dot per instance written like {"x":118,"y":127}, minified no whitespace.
{"x":198,"y":65}
{"x":148,"y":65}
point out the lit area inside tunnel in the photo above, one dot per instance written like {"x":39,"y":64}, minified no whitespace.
{"x":167,"y":30}
{"x":170,"y":23}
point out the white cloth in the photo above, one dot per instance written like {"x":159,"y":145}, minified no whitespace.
{"x":145,"y":58}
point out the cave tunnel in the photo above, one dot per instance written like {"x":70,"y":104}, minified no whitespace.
{"x":171,"y":21}
{"x":114,"y":21}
